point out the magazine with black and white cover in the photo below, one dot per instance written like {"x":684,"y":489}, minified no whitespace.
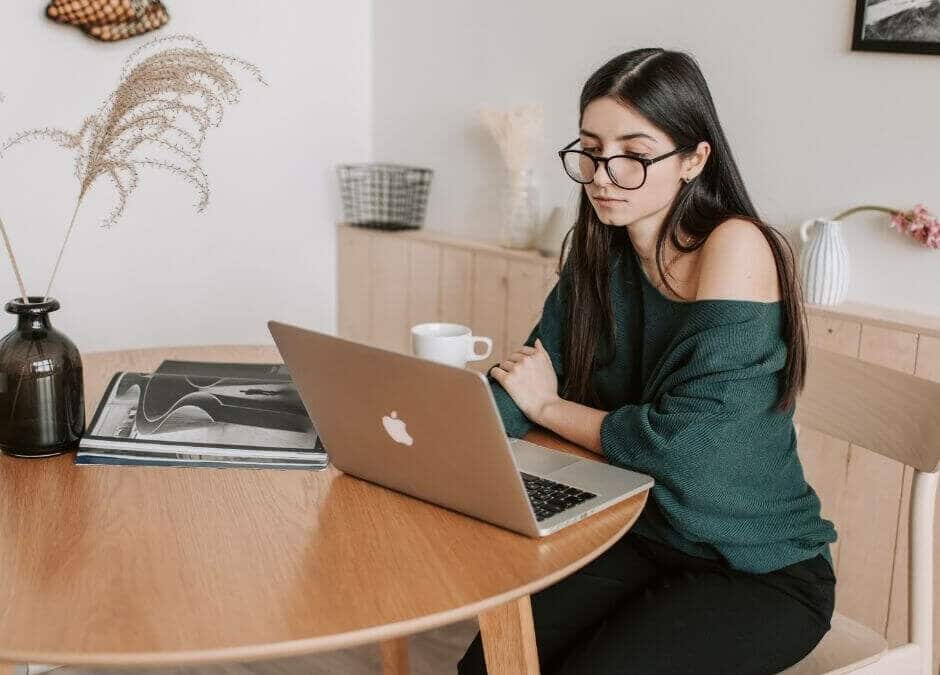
{"x":200,"y":413}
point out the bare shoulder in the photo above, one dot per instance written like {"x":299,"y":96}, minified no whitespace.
{"x":736,"y":262}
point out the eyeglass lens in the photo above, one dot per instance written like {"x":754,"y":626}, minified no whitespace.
{"x":625,"y":172}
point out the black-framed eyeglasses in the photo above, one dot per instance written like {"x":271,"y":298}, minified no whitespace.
{"x":625,"y":171}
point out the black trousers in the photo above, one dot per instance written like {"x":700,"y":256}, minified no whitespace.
{"x":646,"y":608}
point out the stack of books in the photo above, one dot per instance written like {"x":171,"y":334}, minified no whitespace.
{"x":200,"y":413}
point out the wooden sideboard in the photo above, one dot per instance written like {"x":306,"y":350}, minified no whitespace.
{"x":389,"y":281}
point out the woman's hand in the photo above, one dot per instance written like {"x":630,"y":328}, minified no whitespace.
{"x":529,"y":378}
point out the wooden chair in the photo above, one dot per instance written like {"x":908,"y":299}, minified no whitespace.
{"x":898,"y":416}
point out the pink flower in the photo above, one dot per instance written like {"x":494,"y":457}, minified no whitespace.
{"x":920,"y":224}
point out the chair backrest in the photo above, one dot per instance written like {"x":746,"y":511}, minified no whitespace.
{"x":883,"y":410}
{"x":896,"y":415}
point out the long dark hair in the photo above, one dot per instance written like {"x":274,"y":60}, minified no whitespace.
{"x":666,"y":87}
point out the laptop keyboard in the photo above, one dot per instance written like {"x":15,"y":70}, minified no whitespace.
{"x":549,"y":497}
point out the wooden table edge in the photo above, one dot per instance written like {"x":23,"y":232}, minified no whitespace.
{"x":307,"y":646}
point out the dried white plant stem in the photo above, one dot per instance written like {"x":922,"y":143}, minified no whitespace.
{"x":68,"y":231}
{"x":172,"y":90}
{"x":16,"y":268}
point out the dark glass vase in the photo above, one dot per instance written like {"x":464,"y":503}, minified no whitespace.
{"x":42,"y":402}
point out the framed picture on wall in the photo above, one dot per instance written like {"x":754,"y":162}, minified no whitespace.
{"x":910,"y":26}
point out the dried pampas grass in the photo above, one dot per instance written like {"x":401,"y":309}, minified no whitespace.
{"x":517,"y":132}
{"x":172,"y":90}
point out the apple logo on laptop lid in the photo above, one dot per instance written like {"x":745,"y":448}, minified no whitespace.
{"x":395,"y":428}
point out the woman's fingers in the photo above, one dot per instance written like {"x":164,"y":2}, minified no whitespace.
{"x":510,"y":362}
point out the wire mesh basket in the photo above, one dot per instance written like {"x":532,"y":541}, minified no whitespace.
{"x":384,"y":196}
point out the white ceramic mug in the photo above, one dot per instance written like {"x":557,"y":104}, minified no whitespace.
{"x":450,"y":343}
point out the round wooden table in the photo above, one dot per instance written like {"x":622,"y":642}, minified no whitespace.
{"x":143,"y":566}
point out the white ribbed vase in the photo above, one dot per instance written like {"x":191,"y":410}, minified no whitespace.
{"x":824,"y":262}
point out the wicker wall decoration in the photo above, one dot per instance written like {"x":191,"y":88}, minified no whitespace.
{"x":110,"y":20}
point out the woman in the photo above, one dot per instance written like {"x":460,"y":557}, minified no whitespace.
{"x":673,"y":344}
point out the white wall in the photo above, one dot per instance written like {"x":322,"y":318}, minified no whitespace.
{"x":264,"y":248}
{"x":815,"y":127}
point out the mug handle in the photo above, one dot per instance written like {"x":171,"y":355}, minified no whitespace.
{"x":473,"y":356}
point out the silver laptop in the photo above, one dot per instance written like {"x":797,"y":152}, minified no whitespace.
{"x":433,"y":431}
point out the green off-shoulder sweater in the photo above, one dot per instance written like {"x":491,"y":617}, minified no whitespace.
{"x":690,"y":394}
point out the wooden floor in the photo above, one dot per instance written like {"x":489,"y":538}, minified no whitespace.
{"x":434,"y":652}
